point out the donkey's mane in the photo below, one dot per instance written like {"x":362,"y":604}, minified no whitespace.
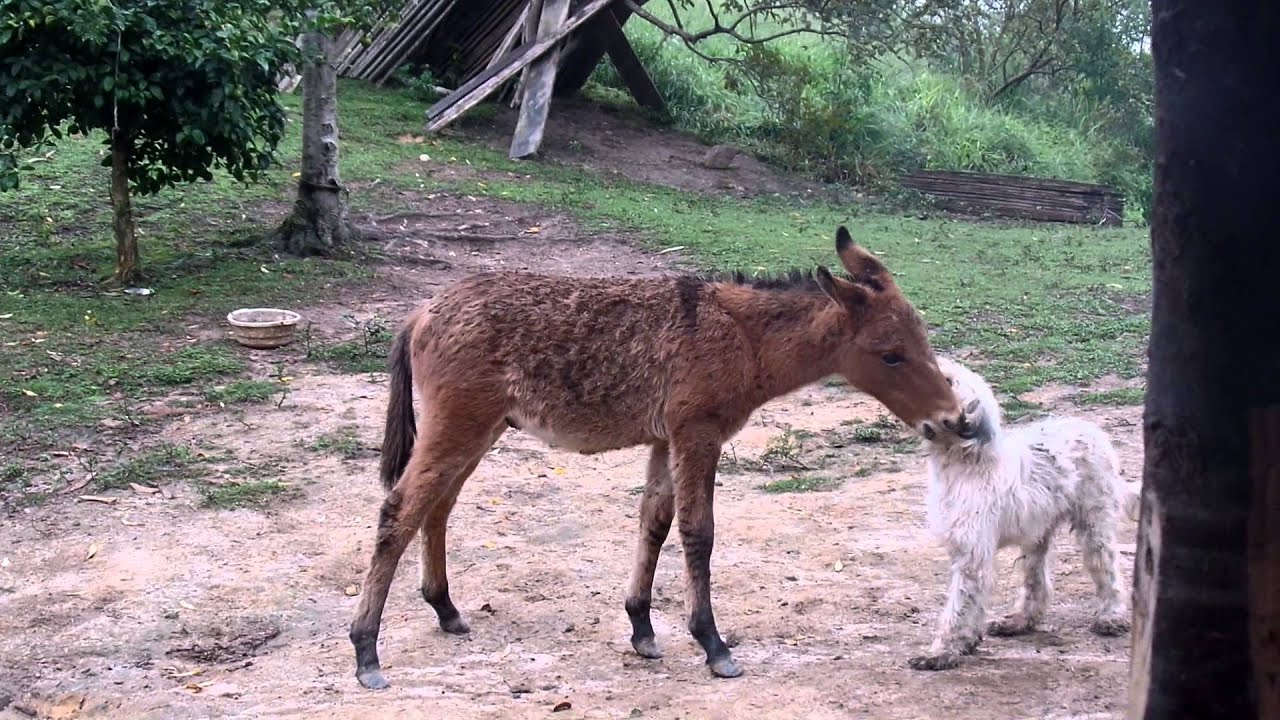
{"x":795,"y":279}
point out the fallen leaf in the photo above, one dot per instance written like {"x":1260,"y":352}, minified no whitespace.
{"x":99,"y":498}
{"x":424,"y":158}
{"x":559,"y":471}
{"x":490,"y":545}
{"x":29,"y":393}
{"x":126,"y":521}
{"x":93,"y":550}
{"x":562,"y":706}
{"x":351,"y":590}
{"x":78,"y":485}
{"x":143,"y":489}
{"x":533,"y":230}
{"x":186,"y":605}
{"x":838,"y":566}
{"x":67,"y":707}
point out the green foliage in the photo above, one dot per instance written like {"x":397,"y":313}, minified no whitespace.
{"x":845,"y":109}
{"x":1118,"y":396}
{"x":242,"y":391}
{"x":190,"y":84}
{"x":155,"y":465}
{"x":247,"y":494}
{"x":801,"y":483}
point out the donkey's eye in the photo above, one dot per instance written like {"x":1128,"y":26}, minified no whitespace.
{"x":891,"y":359}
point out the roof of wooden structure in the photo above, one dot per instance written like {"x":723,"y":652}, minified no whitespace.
{"x":552,"y":44}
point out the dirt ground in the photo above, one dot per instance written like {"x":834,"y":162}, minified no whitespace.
{"x":153,"y":607}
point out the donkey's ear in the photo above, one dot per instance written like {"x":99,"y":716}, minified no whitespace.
{"x":841,"y":291}
{"x":862,"y":266}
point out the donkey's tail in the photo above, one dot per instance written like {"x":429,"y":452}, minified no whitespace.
{"x":400,"y":431}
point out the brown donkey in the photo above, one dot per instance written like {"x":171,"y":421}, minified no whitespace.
{"x":591,"y":365}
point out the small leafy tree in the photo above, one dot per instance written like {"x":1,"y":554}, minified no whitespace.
{"x":180,"y":87}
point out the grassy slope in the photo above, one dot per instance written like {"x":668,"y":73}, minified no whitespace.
{"x":1040,"y":303}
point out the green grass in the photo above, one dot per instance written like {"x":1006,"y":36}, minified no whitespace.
{"x":164,"y":462}
{"x":800,"y":484}
{"x":1119,"y":396}
{"x":342,"y":442}
{"x":1015,"y":409}
{"x":242,"y":392}
{"x":248,"y":494}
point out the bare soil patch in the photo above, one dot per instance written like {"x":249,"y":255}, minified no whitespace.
{"x":605,"y":141}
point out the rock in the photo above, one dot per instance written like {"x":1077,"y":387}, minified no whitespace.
{"x":720,"y":157}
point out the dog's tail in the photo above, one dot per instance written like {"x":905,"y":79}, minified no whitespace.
{"x":1131,"y":499}
{"x":400,"y":431}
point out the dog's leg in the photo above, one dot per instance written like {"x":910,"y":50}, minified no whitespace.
{"x":959,"y":628}
{"x":1096,"y":535}
{"x":1033,"y":597}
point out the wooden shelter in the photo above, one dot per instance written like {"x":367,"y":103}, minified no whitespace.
{"x":543,"y":47}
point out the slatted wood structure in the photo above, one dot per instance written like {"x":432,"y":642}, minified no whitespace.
{"x":1020,"y":197}
{"x":552,"y":45}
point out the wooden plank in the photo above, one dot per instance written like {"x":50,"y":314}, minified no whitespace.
{"x":412,"y":38}
{"x":539,"y":79}
{"x":586,"y":51}
{"x":628,"y":64}
{"x":530,"y":29}
{"x":447,"y":109}
{"x":1024,"y":197}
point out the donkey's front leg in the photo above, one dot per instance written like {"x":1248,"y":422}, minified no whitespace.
{"x":694,"y":467}
{"x":656,"y":511}
{"x":960,"y":625}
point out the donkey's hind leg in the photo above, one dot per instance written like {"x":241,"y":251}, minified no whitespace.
{"x":656,"y":511}
{"x":1033,"y":598}
{"x":435,"y":580}
{"x":441,"y":454}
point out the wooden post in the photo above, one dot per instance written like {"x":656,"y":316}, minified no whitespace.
{"x":587,"y":51}
{"x":628,"y":64}
{"x":531,"y":20}
{"x":1205,"y":592}
{"x":539,"y":80}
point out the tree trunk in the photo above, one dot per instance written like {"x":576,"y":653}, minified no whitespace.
{"x":319,"y":224}
{"x":1205,"y":570}
{"x":128,"y":267}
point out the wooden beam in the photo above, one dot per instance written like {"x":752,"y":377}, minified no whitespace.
{"x":587,"y":50}
{"x":539,"y":80}
{"x":628,"y":64}
{"x":531,"y":20}
{"x":447,"y":109}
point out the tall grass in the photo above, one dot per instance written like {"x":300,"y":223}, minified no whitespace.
{"x":807,"y":104}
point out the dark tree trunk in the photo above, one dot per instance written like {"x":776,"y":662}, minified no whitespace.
{"x":1206,"y":603}
{"x":319,"y":224}
{"x":128,"y":266}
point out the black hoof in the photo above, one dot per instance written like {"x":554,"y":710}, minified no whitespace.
{"x":945,"y":661}
{"x":372,"y":679}
{"x":724,"y":667}
{"x":455,"y":625}
{"x":646,"y":648}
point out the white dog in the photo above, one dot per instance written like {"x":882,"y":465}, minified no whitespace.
{"x":992,"y":487}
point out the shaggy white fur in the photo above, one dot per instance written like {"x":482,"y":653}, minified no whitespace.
{"x":992,"y":487}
